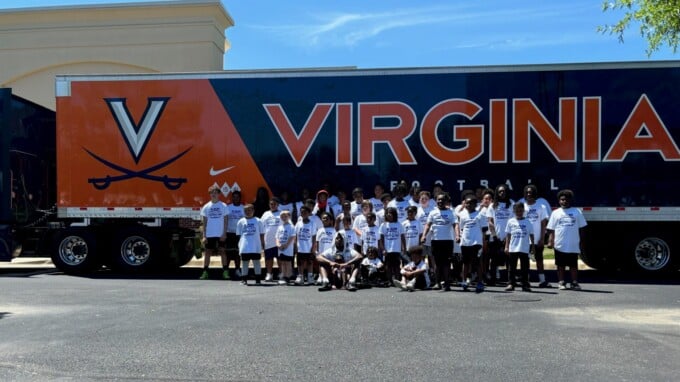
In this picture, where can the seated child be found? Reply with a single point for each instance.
(371, 269)
(414, 275)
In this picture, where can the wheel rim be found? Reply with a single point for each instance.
(652, 254)
(135, 251)
(73, 250)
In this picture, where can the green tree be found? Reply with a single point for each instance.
(659, 21)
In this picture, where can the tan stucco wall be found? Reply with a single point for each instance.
(171, 36)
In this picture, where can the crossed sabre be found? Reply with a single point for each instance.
(168, 182)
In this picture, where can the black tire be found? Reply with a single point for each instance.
(135, 250)
(651, 253)
(74, 251)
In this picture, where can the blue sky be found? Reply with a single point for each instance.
(401, 33)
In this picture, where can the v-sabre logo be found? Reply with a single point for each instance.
(136, 137)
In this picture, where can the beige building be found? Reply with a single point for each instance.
(169, 36)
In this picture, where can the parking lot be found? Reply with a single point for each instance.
(109, 326)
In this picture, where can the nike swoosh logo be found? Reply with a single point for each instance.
(214, 172)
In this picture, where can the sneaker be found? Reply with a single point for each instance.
(480, 287)
(544, 284)
(225, 275)
(436, 286)
(352, 287)
(464, 284)
(575, 286)
(204, 275)
(560, 285)
(268, 277)
(411, 286)
(282, 281)
(298, 280)
(398, 284)
(509, 288)
(325, 287)
(244, 282)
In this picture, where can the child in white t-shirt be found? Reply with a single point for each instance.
(519, 234)
(565, 229)
(392, 242)
(414, 275)
(285, 240)
(251, 241)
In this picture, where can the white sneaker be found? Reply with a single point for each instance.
(399, 284)
(411, 286)
(282, 282)
(268, 277)
(298, 280)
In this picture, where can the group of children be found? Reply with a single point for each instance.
(410, 241)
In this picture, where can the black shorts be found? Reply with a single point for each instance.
(232, 242)
(393, 257)
(302, 256)
(251, 256)
(271, 253)
(566, 259)
(442, 248)
(285, 259)
(470, 252)
(214, 243)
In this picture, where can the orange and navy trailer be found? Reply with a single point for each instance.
(137, 153)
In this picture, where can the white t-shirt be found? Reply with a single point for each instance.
(283, 233)
(441, 223)
(471, 225)
(324, 238)
(536, 213)
(235, 214)
(271, 222)
(401, 208)
(566, 223)
(350, 237)
(305, 235)
(421, 216)
(355, 209)
(249, 231)
(377, 204)
(287, 207)
(519, 231)
(412, 232)
(500, 215)
(369, 237)
(391, 233)
(359, 223)
(372, 264)
(215, 213)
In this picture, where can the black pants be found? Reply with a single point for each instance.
(442, 250)
(512, 267)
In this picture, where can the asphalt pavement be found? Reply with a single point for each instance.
(174, 327)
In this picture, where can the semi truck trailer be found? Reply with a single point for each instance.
(130, 158)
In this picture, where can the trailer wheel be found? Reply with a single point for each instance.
(653, 254)
(74, 252)
(134, 250)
